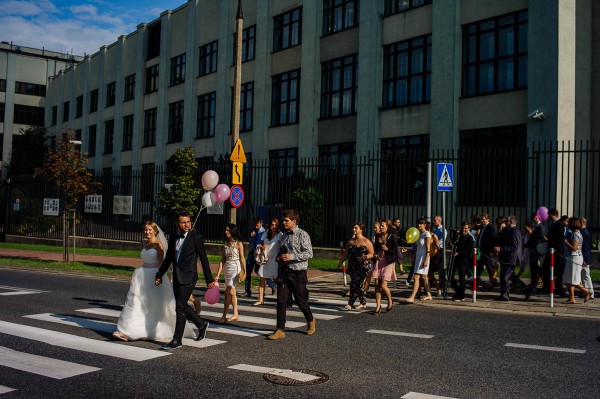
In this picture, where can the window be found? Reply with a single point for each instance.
(407, 72)
(403, 159)
(338, 87)
(396, 6)
(246, 106)
(147, 183)
(336, 164)
(2, 85)
(153, 41)
(129, 88)
(2, 108)
(152, 79)
(495, 55)
(110, 94)
(177, 70)
(54, 115)
(78, 107)
(339, 15)
(248, 43)
(490, 161)
(125, 186)
(285, 99)
(66, 107)
(28, 115)
(30, 89)
(109, 135)
(208, 58)
(150, 127)
(287, 29)
(94, 101)
(283, 165)
(92, 141)
(127, 132)
(176, 122)
(206, 115)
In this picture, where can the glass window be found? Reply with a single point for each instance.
(246, 106)
(66, 109)
(339, 85)
(127, 132)
(283, 164)
(152, 79)
(339, 15)
(176, 122)
(287, 29)
(177, 70)
(110, 94)
(285, 99)
(397, 6)
(248, 43)
(129, 88)
(208, 58)
(30, 89)
(206, 115)
(150, 127)
(94, 101)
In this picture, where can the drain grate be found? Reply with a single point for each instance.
(297, 377)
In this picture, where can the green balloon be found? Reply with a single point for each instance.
(412, 235)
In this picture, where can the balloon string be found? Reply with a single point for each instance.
(201, 208)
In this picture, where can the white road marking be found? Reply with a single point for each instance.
(545, 348)
(257, 320)
(18, 291)
(48, 367)
(418, 395)
(295, 375)
(402, 334)
(79, 343)
(340, 302)
(313, 305)
(101, 312)
(273, 311)
(107, 327)
(4, 389)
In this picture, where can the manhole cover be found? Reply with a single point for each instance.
(296, 377)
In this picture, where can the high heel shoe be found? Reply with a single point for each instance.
(377, 311)
(389, 308)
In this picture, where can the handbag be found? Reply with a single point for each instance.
(242, 275)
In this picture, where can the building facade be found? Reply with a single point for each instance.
(24, 74)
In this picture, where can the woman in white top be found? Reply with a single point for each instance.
(233, 262)
(421, 262)
(572, 274)
(149, 311)
(270, 243)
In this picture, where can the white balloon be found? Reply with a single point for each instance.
(208, 199)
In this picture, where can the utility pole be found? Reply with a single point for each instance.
(237, 88)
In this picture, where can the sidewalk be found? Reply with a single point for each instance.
(330, 284)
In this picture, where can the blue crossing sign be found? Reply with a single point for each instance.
(445, 177)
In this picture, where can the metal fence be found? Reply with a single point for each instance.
(331, 194)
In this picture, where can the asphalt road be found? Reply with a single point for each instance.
(412, 349)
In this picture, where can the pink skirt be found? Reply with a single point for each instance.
(384, 270)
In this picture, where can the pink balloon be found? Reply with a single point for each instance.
(222, 193)
(212, 295)
(210, 179)
(542, 213)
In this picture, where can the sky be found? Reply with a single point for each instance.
(75, 27)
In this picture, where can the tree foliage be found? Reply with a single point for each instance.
(28, 151)
(182, 194)
(65, 167)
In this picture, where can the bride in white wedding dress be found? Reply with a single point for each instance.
(149, 311)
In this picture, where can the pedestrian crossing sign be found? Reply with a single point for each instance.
(445, 177)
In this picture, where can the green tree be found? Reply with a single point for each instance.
(65, 167)
(28, 151)
(180, 192)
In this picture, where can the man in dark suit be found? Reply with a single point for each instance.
(556, 240)
(486, 240)
(537, 236)
(509, 248)
(185, 247)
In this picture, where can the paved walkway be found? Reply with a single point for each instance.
(331, 284)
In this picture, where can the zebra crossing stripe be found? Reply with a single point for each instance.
(401, 334)
(258, 320)
(101, 312)
(18, 291)
(273, 311)
(4, 389)
(295, 375)
(80, 343)
(104, 326)
(40, 365)
(419, 395)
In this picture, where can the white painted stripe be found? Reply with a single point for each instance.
(18, 291)
(401, 334)
(545, 348)
(314, 306)
(4, 389)
(107, 327)
(7, 287)
(79, 343)
(41, 365)
(257, 320)
(418, 395)
(340, 302)
(273, 311)
(294, 375)
(101, 312)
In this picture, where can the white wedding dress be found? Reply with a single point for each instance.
(149, 311)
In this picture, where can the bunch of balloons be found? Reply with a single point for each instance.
(215, 193)
(542, 213)
(412, 235)
(211, 295)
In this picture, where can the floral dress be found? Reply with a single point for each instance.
(358, 272)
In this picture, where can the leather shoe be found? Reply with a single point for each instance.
(202, 332)
(171, 345)
(312, 327)
(278, 334)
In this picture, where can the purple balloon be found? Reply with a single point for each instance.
(542, 213)
(212, 295)
(222, 193)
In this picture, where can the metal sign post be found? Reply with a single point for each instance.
(445, 178)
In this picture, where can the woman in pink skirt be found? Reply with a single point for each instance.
(388, 253)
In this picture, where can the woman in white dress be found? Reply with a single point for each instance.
(421, 262)
(270, 243)
(572, 274)
(233, 263)
(149, 311)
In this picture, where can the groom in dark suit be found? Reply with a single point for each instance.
(185, 247)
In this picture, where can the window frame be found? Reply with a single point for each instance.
(177, 71)
(393, 7)
(150, 115)
(176, 115)
(78, 107)
(208, 58)
(152, 73)
(29, 89)
(328, 81)
(283, 83)
(205, 123)
(287, 29)
(329, 15)
(93, 101)
(66, 111)
(111, 89)
(129, 92)
(127, 143)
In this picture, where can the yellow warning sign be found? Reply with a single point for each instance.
(238, 154)
(237, 173)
